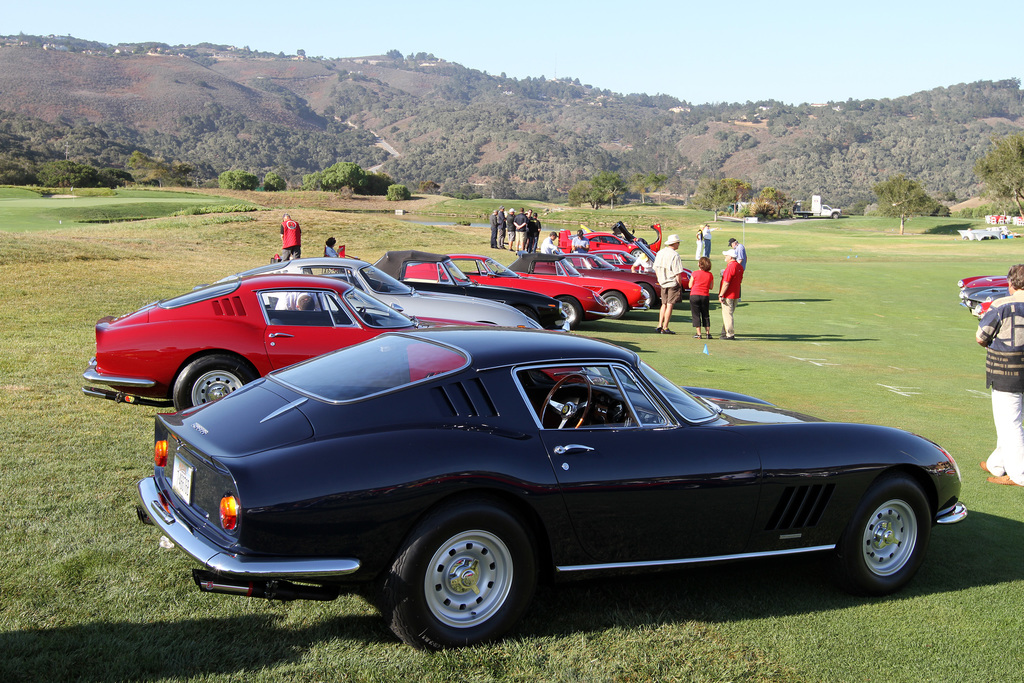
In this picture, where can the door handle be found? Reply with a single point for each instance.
(276, 335)
(572, 448)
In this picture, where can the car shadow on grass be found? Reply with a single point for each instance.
(769, 587)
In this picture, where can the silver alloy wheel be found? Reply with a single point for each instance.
(469, 579)
(213, 385)
(890, 537)
(568, 312)
(616, 305)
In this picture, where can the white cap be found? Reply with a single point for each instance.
(731, 253)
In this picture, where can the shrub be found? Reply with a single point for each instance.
(237, 180)
(397, 193)
(274, 183)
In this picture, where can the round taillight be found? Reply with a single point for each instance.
(229, 512)
(160, 453)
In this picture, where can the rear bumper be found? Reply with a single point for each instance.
(219, 560)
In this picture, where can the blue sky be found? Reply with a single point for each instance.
(795, 52)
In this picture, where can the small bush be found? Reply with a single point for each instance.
(237, 180)
(274, 183)
(397, 193)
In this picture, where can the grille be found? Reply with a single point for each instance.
(800, 507)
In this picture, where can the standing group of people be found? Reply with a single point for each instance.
(515, 231)
(668, 266)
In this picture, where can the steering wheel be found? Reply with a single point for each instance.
(568, 409)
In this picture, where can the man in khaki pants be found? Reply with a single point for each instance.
(729, 292)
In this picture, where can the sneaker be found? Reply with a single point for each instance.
(667, 331)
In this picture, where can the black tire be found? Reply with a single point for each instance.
(528, 312)
(885, 542)
(617, 304)
(575, 314)
(650, 292)
(472, 552)
(209, 378)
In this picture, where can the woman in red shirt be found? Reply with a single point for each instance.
(701, 282)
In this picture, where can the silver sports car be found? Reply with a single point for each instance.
(370, 279)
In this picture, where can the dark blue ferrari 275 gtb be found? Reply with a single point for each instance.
(446, 471)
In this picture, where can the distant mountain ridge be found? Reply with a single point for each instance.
(219, 108)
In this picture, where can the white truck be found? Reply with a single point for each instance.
(818, 210)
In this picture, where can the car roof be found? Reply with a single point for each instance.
(286, 280)
(526, 259)
(499, 347)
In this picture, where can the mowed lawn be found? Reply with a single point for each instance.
(840, 319)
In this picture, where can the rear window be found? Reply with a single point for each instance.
(379, 366)
(201, 294)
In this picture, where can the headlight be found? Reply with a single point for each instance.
(600, 299)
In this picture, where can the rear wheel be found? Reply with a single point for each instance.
(528, 312)
(885, 542)
(572, 309)
(617, 304)
(210, 378)
(465, 575)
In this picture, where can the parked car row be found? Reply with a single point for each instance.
(978, 292)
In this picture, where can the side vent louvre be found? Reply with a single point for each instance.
(467, 399)
(228, 306)
(800, 507)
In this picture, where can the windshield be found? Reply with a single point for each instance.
(569, 268)
(456, 274)
(381, 365)
(500, 270)
(688, 406)
(373, 312)
(382, 283)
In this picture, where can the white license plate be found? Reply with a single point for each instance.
(182, 480)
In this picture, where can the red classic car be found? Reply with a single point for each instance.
(620, 239)
(592, 265)
(579, 303)
(620, 295)
(203, 345)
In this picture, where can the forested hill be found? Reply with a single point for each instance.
(218, 108)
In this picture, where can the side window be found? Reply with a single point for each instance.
(572, 397)
(468, 266)
(647, 412)
(544, 268)
(296, 307)
(424, 272)
(338, 313)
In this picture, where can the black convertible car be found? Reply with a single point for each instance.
(437, 273)
(446, 471)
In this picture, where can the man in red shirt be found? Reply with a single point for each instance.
(729, 292)
(291, 238)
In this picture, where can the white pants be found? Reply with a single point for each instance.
(1008, 457)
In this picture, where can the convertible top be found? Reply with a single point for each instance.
(391, 262)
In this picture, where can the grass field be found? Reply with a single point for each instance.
(840, 319)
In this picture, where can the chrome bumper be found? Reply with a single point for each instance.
(215, 558)
(951, 515)
(91, 375)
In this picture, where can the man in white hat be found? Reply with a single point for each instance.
(729, 292)
(668, 267)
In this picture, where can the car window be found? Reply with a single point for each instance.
(297, 307)
(453, 271)
(470, 266)
(380, 282)
(373, 312)
(381, 365)
(587, 396)
(545, 268)
(689, 407)
(425, 272)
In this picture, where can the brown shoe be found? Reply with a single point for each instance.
(1004, 480)
(984, 465)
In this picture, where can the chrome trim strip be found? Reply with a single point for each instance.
(91, 375)
(690, 560)
(281, 411)
(951, 515)
(215, 558)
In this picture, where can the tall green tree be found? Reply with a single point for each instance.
(238, 180)
(898, 196)
(607, 187)
(643, 183)
(66, 173)
(1002, 169)
(343, 174)
(713, 194)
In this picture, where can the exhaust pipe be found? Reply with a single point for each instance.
(208, 582)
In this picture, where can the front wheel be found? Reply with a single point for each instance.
(465, 575)
(572, 309)
(210, 378)
(886, 539)
(617, 304)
